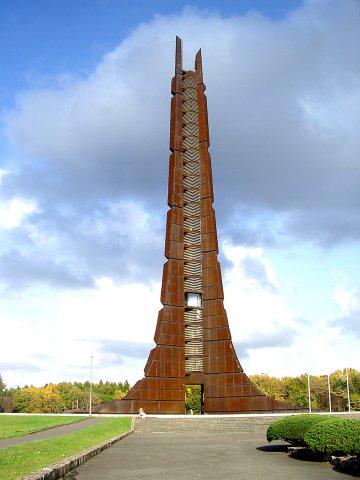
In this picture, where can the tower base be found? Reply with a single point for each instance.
(219, 397)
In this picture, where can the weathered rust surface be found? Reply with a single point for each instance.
(201, 335)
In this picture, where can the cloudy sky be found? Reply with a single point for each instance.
(83, 166)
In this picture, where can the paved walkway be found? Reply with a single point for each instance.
(50, 432)
(179, 455)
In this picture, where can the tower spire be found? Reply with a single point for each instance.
(192, 336)
(178, 56)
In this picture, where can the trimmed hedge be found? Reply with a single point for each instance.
(336, 436)
(293, 428)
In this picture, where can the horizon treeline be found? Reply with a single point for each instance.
(60, 397)
(64, 396)
(294, 390)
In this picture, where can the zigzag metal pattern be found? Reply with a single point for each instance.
(192, 209)
(190, 117)
(189, 82)
(192, 169)
(192, 196)
(192, 226)
(192, 223)
(190, 93)
(192, 268)
(191, 155)
(191, 143)
(192, 316)
(192, 284)
(192, 253)
(191, 130)
(192, 181)
(192, 238)
(190, 106)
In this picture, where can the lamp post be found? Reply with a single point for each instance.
(348, 389)
(90, 393)
(309, 394)
(329, 389)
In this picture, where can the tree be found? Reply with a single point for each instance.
(38, 400)
(193, 399)
(119, 394)
(2, 384)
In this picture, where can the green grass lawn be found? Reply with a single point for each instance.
(16, 426)
(24, 459)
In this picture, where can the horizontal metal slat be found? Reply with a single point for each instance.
(193, 348)
(192, 253)
(191, 181)
(192, 285)
(193, 315)
(192, 209)
(192, 332)
(193, 365)
(192, 268)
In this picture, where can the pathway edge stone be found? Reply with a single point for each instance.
(61, 468)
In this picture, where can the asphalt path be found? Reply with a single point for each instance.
(50, 432)
(175, 455)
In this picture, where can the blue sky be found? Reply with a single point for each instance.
(44, 38)
(84, 150)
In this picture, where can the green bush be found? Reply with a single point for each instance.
(336, 436)
(293, 428)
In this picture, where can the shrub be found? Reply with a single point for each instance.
(336, 436)
(293, 428)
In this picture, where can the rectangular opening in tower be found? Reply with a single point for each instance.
(194, 399)
(192, 299)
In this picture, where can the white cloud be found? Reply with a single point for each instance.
(254, 309)
(284, 125)
(116, 322)
(13, 212)
(63, 329)
(347, 300)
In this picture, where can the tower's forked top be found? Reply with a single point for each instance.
(179, 60)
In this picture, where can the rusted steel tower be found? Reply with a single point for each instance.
(193, 340)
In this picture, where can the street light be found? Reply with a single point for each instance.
(90, 393)
(348, 389)
(329, 388)
(309, 394)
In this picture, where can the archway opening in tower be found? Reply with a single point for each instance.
(194, 399)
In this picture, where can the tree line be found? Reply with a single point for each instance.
(294, 390)
(64, 396)
(58, 398)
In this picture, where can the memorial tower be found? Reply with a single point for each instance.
(193, 340)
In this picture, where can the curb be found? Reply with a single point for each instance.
(63, 467)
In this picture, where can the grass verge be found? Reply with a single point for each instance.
(23, 459)
(17, 426)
